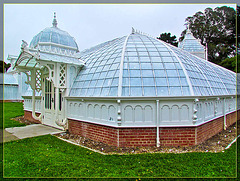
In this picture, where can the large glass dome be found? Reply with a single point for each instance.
(138, 65)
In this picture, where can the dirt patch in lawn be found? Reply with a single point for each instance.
(217, 143)
(21, 119)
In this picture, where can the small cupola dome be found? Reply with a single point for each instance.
(53, 39)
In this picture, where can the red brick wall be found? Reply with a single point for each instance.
(133, 137)
(177, 136)
(231, 118)
(28, 116)
(96, 132)
(208, 130)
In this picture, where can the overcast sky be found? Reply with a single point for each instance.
(91, 24)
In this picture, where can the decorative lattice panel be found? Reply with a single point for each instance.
(38, 80)
(62, 75)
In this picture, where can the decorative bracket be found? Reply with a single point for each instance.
(195, 110)
(119, 118)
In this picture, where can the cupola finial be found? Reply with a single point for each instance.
(188, 28)
(54, 23)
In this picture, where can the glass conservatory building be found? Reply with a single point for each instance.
(131, 91)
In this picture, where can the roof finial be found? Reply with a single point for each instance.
(54, 23)
(188, 28)
(133, 31)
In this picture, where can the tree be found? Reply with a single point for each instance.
(230, 63)
(168, 38)
(4, 67)
(217, 29)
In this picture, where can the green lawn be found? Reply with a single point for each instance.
(12, 110)
(47, 156)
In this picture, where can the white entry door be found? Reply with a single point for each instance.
(50, 109)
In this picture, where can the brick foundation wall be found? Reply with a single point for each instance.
(133, 137)
(177, 136)
(208, 130)
(96, 132)
(28, 116)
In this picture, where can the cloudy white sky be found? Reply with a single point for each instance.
(91, 24)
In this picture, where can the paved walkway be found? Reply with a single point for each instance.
(28, 131)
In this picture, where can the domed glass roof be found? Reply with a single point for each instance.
(54, 35)
(138, 65)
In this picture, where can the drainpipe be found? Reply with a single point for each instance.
(158, 140)
(33, 108)
(224, 114)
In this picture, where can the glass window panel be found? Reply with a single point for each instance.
(96, 76)
(144, 59)
(103, 75)
(181, 73)
(86, 83)
(173, 81)
(105, 91)
(89, 92)
(97, 91)
(147, 73)
(169, 65)
(125, 81)
(175, 91)
(93, 83)
(125, 73)
(161, 81)
(165, 53)
(106, 68)
(125, 65)
(110, 74)
(133, 59)
(113, 91)
(115, 82)
(135, 82)
(141, 49)
(162, 91)
(157, 65)
(153, 54)
(146, 66)
(178, 66)
(107, 82)
(160, 73)
(114, 66)
(99, 83)
(186, 91)
(125, 91)
(184, 81)
(156, 59)
(149, 91)
(136, 91)
(172, 73)
(135, 73)
(83, 92)
(143, 54)
(132, 53)
(167, 59)
(134, 66)
(148, 81)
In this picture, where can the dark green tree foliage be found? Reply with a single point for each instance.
(230, 63)
(217, 28)
(168, 38)
(4, 67)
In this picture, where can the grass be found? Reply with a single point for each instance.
(12, 110)
(47, 156)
